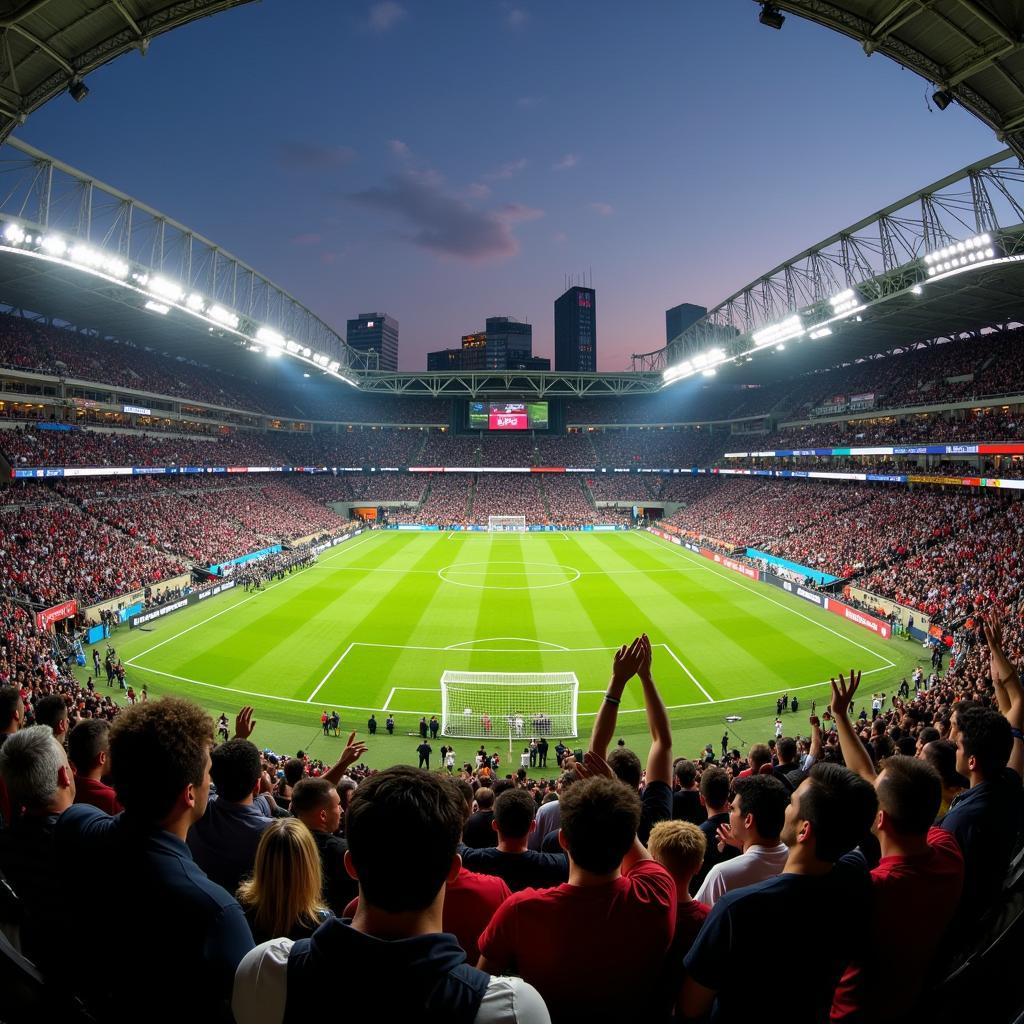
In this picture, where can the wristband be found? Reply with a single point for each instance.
(615, 700)
(1015, 733)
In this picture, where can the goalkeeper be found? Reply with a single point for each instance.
(657, 793)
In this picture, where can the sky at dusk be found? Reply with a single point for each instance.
(448, 160)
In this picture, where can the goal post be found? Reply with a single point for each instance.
(509, 705)
(506, 524)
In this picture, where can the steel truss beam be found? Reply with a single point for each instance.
(879, 255)
(538, 384)
(52, 197)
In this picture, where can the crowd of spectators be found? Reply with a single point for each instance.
(446, 502)
(267, 877)
(503, 494)
(52, 553)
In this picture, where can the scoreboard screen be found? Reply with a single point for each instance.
(508, 415)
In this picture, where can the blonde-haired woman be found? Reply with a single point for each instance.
(283, 897)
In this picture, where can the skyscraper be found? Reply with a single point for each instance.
(576, 330)
(678, 318)
(375, 333)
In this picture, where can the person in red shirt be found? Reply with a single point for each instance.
(89, 754)
(919, 878)
(760, 758)
(619, 904)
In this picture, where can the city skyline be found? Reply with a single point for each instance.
(675, 155)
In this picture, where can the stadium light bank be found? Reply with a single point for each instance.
(161, 294)
(955, 258)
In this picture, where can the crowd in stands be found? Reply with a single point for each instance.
(446, 502)
(25, 345)
(500, 494)
(49, 554)
(618, 889)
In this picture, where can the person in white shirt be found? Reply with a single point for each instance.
(396, 933)
(756, 817)
(524, 758)
(778, 728)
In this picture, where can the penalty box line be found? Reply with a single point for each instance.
(491, 650)
(728, 576)
(343, 549)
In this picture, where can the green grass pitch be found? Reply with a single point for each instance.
(377, 621)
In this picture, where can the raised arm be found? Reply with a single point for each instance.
(659, 760)
(353, 751)
(624, 666)
(1007, 685)
(856, 757)
(814, 753)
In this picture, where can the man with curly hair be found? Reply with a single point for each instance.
(189, 933)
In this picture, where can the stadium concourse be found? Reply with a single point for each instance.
(886, 829)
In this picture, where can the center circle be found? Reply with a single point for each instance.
(485, 570)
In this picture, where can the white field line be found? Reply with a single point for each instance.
(434, 689)
(511, 572)
(330, 672)
(388, 701)
(732, 700)
(272, 696)
(693, 678)
(729, 576)
(520, 639)
(342, 549)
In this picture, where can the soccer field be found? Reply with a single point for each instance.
(375, 624)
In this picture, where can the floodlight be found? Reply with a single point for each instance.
(78, 90)
(54, 245)
(791, 327)
(293, 347)
(158, 307)
(334, 367)
(14, 234)
(917, 289)
(270, 337)
(710, 372)
(942, 99)
(771, 17)
(307, 352)
(821, 332)
(115, 267)
(222, 316)
(168, 289)
(195, 302)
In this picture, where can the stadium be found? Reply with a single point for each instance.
(221, 517)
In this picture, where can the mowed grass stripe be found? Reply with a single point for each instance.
(298, 635)
(634, 603)
(423, 613)
(734, 636)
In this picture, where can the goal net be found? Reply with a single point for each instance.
(509, 705)
(506, 524)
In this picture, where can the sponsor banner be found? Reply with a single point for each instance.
(184, 602)
(959, 449)
(48, 616)
(47, 425)
(729, 563)
(877, 626)
(888, 478)
(1001, 449)
(126, 613)
(138, 410)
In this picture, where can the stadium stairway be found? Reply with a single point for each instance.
(470, 494)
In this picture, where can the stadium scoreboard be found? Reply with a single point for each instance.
(508, 415)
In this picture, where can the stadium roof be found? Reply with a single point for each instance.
(50, 45)
(972, 51)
